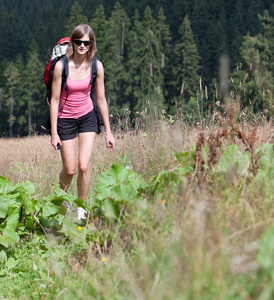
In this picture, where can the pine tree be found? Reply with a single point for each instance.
(253, 80)
(208, 21)
(164, 36)
(187, 60)
(133, 63)
(234, 29)
(32, 91)
(151, 77)
(116, 76)
(76, 18)
(268, 37)
(99, 26)
(12, 75)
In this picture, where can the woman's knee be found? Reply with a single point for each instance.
(83, 168)
(69, 171)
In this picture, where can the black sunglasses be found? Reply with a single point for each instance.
(80, 42)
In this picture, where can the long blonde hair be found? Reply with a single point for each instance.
(77, 33)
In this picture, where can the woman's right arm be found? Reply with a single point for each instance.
(54, 106)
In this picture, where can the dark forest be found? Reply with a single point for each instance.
(175, 55)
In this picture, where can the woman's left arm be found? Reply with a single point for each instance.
(102, 105)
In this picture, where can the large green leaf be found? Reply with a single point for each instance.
(4, 205)
(115, 175)
(119, 184)
(136, 181)
(186, 158)
(11, 263)
(103, 193)
(9, 240)
(266, 252)
(3, 256)
(26, 199)
(267, 155)
(5, 185)
(28, 186)
(50, 209)
(72, 231)
(12, 220)
(233, 158)
(164, 178)
(80, 203)
(123, 193)
(266, 165)
(111, 209)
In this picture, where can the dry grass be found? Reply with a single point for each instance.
(193, 243)
(32, 158)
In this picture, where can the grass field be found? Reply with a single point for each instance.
(177, 212)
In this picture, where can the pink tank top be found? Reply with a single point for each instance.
(78, 102)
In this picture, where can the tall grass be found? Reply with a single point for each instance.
(199, 242)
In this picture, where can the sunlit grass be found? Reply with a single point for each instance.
(198, 243)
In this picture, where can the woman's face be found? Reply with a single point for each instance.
(82, 45)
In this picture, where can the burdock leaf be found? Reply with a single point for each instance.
(116, 175)
(28, 186)
(266, 252)
(111, 209)
(9, 240)
(50, 209)
(5, 185)
(72, 231)
(233, 158)
(12, 219)
(11, 263)
(4, 205)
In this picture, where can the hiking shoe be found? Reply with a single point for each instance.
(81, 213)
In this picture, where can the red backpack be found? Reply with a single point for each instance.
(59, 51)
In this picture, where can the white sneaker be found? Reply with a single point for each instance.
(81, 213)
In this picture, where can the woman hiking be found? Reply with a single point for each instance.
(73, 114)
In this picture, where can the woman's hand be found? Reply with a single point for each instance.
(110, 141)
(56, 142)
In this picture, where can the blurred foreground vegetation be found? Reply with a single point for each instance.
(176, 212)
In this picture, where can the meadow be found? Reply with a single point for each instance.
(179, 210)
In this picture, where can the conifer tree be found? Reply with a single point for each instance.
(20, 108)
(253, 80)
(187, 61)
(116, 76)
(32, 91)
(134, 66)
(234, 29)
(99, 26)
(268, 37)
(208, 21)
(164, 36)
(151, 77)
(13, 77)
(76, 17)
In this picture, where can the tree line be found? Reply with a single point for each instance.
(148, 64)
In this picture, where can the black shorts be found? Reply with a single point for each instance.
(68, 129)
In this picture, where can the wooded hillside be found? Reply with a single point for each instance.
(174, 55)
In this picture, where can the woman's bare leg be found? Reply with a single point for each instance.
(86, 142)
(69, 163)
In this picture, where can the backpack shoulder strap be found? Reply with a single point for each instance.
(65, 71)
(93, 72)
